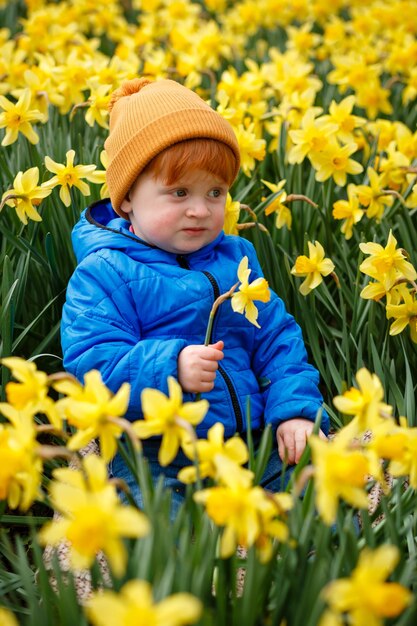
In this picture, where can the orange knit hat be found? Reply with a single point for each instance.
(148, 116)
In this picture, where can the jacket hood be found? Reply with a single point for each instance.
(100, 227)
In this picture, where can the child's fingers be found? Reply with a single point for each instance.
(213, 354)
(300, 444)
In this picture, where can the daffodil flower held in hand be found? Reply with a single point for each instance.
(313, 267)
(242, 300)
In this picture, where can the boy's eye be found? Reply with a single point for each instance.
(180, 193)
(215, 193)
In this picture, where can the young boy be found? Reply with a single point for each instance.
(151, 261)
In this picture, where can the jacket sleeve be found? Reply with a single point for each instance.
(280, 361)
(100, 329)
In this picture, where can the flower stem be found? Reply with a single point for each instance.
(216, 304)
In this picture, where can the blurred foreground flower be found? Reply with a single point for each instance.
(18, 118)
(398, 445)
(134, 605)
(169, 417)
(340, 472)
(365, 596)
(21, 466)
(25, 195)
(242, 300)
(93, 517)
(30, 393)
(69, 175)
(365, 404)
(7, 618)
(94, 411)
(206, 452)
(314, 267)
(248, 514)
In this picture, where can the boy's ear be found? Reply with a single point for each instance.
(126, 205)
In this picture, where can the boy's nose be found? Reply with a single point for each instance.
(197, 208)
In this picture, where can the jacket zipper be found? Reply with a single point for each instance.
(183, 262)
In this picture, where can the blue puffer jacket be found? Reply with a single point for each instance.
(131, 308)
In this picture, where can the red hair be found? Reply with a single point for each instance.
(209, 155)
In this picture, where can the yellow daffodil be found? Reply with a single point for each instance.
(251, 147)
(386, 263)
(365, 596)
(206, 451)
(98, 100)
(301, 38)
(410, 86)
(134, 604)
(375, 290)
(334, 161)
(25, 195)
(393, 167)
(99, 176)
(349, 211)
(169, 417)
(39, 83)
(284, 217)
(68, 176)
(293, 108)
(396, 444)
(411, 201)
(365, 403)
(7, 618)
(314, 267)
(242, 300)
(242, 509)
(404, 314)
(340, 113)
(352, 70)
(373, 196)
(313, 137)
(400, 447)
(374, 98)
(92, 517)
(31, 391)
(231, 216)
(21, 466)
(18, 118)
(94, 411)
(340, 473)
(273, 515)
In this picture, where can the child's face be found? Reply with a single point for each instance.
(179, 218)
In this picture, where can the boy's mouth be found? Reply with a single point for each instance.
(193, 231)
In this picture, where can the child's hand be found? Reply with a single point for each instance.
(292, 438)
(197, 366)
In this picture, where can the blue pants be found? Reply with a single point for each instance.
(273, 479)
